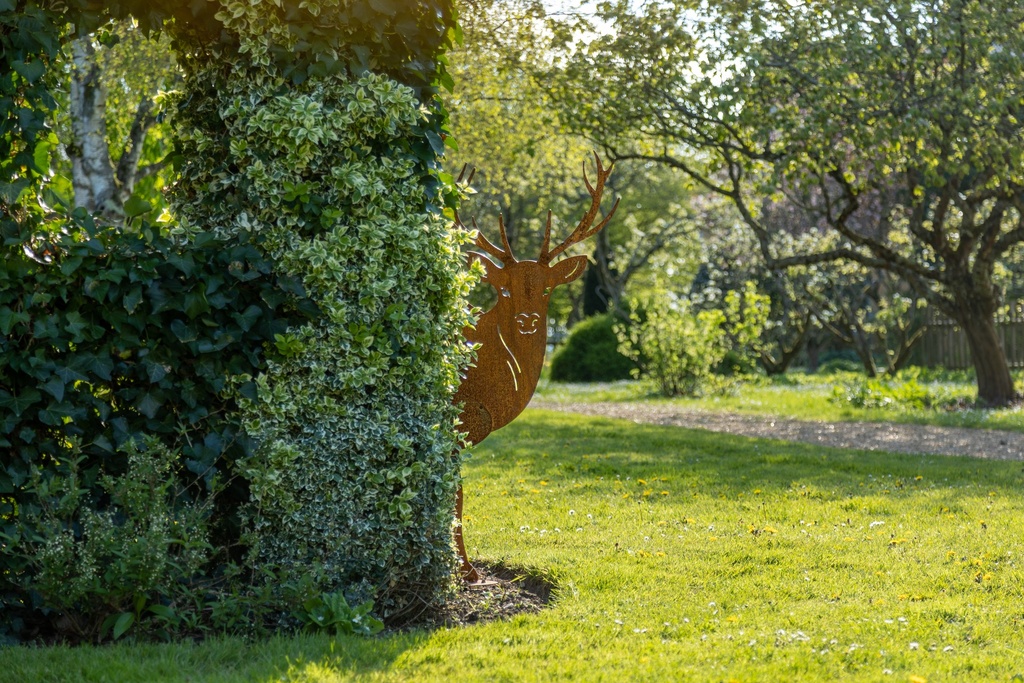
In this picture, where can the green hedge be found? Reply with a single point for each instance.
(591, 354)
(279, 362)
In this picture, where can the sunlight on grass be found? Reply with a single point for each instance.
(806, 398)
(683, 555)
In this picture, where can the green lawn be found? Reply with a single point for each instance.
(808, 398)
(683, 555)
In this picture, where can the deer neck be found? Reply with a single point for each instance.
(508, 363)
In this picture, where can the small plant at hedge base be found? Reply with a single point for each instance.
(331, 612)
(99, 568)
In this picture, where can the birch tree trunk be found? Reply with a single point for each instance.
(92, 171)
(101, 185)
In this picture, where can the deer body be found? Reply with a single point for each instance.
(512, 335)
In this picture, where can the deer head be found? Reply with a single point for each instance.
(513, 334)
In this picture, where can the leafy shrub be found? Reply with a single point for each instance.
(113, 337)
(895, 394)
(680, 348)
(591, 353)
(336, 177)
(101, 566)
(939, 374)
(674, 346)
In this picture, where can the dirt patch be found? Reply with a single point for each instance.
(502, 593)
(871, 436)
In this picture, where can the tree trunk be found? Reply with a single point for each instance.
(778, 366)
(603, 286)
(595, 298)
(995, 385)
(813, 351)
(91, 169)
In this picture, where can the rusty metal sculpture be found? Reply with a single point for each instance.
(512, 335)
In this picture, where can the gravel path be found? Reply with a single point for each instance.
(872, 436)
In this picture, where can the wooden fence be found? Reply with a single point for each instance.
(944, 342)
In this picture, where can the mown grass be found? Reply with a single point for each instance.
(683, 556)
(804, 397)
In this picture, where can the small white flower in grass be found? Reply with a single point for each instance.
(572, 512)
(579, 528)
(619, 622)
(914, 646)
(876, 523)
(948, 648)
(887, 672)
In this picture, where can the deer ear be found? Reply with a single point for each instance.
(567, 270)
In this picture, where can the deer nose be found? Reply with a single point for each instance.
(529, 323)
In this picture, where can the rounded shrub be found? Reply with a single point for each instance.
(591, 354)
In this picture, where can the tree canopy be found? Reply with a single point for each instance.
(895, 125)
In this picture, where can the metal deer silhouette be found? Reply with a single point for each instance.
(512, 335)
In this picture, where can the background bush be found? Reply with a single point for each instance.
(840, 365)
(591, 353)
(674, 346)
(680, 348)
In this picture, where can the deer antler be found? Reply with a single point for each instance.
(585, 228)
(504, 255)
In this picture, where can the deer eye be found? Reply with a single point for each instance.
(547, 291)
(505, 293)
